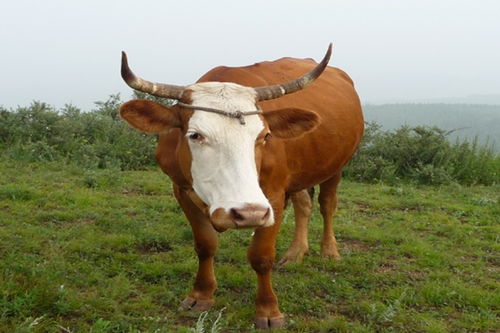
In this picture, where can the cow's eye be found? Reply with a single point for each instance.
(195, 136)
(262, 140)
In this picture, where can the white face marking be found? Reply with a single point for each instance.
(223, 162)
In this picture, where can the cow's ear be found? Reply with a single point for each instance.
(291, 123)
(149, 116)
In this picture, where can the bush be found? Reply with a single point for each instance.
(422, 155)
(100, 139)
(97, 139)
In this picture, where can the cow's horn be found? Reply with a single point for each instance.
(156, 89)
(271, 92)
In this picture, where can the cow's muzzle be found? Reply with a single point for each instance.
(248, 216)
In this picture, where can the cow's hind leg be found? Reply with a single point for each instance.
(302, 207)
(328, 203)
(201, 297)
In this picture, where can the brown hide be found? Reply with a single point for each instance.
(315, 156)
(292, 164)
(285, 166)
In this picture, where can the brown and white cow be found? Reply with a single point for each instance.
(235, 153)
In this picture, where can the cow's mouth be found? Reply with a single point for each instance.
(248, 217)
(219, 228)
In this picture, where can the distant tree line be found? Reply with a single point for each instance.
(465, 121)
(100, 139)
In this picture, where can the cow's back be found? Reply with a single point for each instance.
(316, 156)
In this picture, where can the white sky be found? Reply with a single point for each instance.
(62, 51)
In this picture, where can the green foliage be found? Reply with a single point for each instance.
(97, 139)
(422, 155)
(142, 95)
(100, 139)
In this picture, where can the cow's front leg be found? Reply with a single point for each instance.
(201, 297)
(261, 255)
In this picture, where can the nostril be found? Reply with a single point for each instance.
(235, 215)
(266, 216)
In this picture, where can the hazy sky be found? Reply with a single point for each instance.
(62, 51)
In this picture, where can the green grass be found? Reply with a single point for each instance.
(110, 251)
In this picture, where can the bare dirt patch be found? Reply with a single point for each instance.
(354, 245)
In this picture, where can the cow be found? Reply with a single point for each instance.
(237, 144)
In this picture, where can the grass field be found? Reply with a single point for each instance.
(110, 251)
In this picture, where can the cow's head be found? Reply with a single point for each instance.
(219, 152)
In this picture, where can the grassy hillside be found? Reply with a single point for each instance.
(469, 120)
(110, 251)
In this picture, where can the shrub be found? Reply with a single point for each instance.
(97, 139)
(100, 139)
(422, 155)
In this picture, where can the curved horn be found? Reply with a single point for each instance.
(156, 89)
(278, 90)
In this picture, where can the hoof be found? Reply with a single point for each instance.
(331, 255)
(266, 323)
(293, 255)
(195, 305)
(330, 251)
